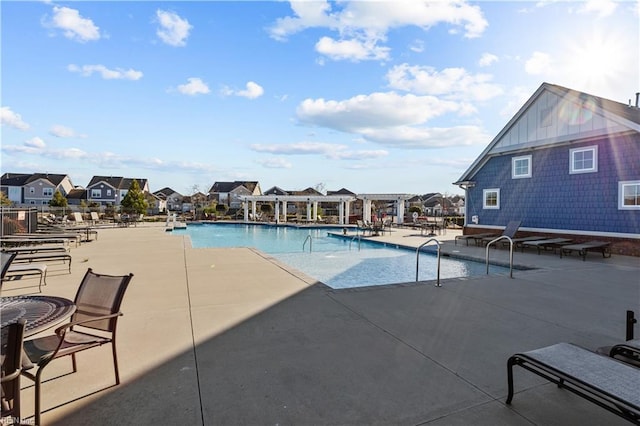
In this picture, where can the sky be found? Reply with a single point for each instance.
(371, 96)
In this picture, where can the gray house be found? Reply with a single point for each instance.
(34, 189)
(110, 190)
(567, 164)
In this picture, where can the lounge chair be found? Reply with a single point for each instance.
(364, 227)
(509, 231)
(35, 249)
(22, 269)
(473, 237)
(546, 244)
(582, 248)
(604, 381)
(6, 259)
(43, 257)
(628, 352)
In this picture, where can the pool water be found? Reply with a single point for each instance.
(335, 261)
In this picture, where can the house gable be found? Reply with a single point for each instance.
(555, 115)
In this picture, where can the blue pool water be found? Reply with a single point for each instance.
(334, 261)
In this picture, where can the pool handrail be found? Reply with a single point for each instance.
(510, 253)
(310, 239)
(418, 259)
(359, 241)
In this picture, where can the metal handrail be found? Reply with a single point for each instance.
(359, 241)
(310, 239)
(502, 237)
(418, 258)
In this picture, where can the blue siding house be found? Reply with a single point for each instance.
(567, 164)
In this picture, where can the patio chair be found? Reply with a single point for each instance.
(628, 352)
(97, 303)
(12, 341)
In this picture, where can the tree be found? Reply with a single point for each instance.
(134, 201)
(4, 200)
(58, 200)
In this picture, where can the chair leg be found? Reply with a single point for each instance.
(37, 396)
(115, 361)
(73, 362)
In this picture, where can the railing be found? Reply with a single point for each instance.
(502, 237)
(310, 239)
(359, 241)
(418, 259)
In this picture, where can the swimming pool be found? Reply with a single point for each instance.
(334, 261)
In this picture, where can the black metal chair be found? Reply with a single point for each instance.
(12, 341)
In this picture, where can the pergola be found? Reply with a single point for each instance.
(398, 199)
(343, 201)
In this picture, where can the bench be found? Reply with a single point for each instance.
(604, 381)
(20, 270)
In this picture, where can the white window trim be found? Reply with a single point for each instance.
(484, 198)
(594, 149)
(513, 167)
(96, 194)
(621, 186)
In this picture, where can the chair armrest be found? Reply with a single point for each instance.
(60, 331)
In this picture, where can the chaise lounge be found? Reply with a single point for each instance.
(604, 381)
(546, 244)
(582, 248)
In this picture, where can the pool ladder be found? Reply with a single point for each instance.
(418, 259)
(359, 241)
(310, 239)
(502, 237)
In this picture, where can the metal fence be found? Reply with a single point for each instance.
(18, 220)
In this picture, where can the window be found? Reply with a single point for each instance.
(583, 160)
(32, 190)
(108, 193)
(96, 193)
(629, 195)
(47, 192)
(521, 167)
(491, 198)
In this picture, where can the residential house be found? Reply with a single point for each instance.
(229, 193)
(155, 203)
(110, 190)
(34, 189)
(173, 199)
(331, 208)
(568, 163)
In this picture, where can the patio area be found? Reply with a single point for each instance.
(231, 337)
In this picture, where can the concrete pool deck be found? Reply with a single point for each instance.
(228, 337)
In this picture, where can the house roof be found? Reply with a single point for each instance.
(21, 179)
(14, 179)
(165, 192)
(341, 191)
(77, 194)
(556, 115)
(223, 187)
(117, 182)
(276, 191)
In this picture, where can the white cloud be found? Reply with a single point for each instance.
(330, 151)
(451, 83)
(423, 137)
(106, 73)
(252, 91)
(11, 119)
(35, 142)
(195, 86)
(275, 163)
(538, 63)
(353, 50)
(64, 132)
(173, 29)
(602, 8)
(377, 110)
(361, 25)
(74, 26)
(487, 59)
(417, 46)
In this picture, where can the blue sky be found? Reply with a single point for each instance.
(376, 97)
